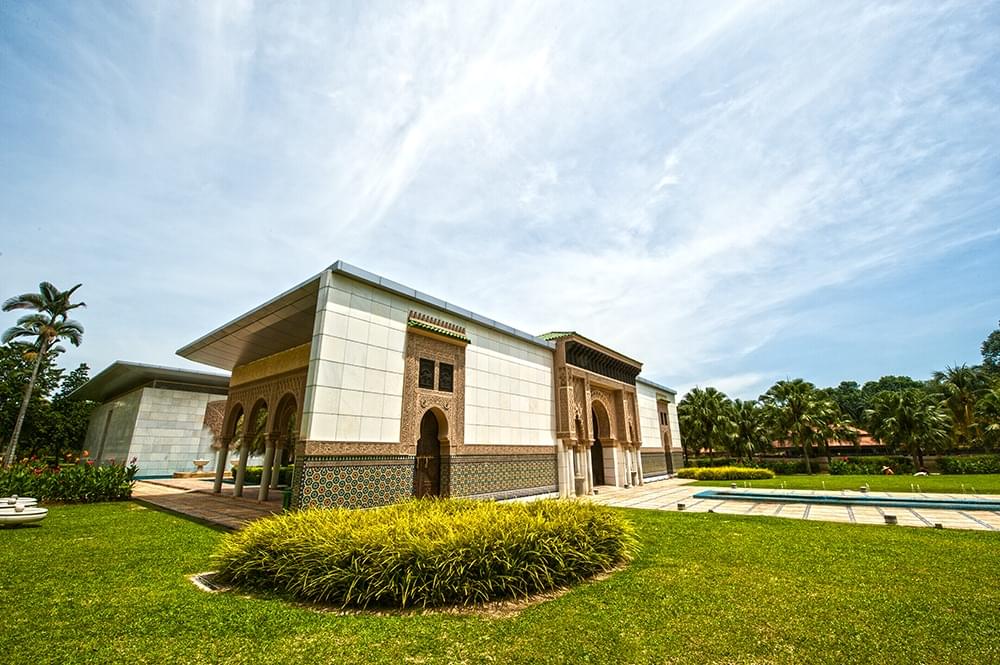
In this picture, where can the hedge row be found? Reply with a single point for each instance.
(74, 481)
(869, 466)
(426, 552)
(970, 464)
(780, 467)
(254, 473)
(725, 473)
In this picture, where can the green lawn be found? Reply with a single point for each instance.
(106, 584)
(982, 483)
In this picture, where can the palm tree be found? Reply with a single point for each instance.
(46, 326)
(796, 410)
(988, 417)
(704, 419)
(749, 428)
(960, 387)
(908, 420)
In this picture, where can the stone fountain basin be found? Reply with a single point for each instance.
(26, 515)
(11, 501)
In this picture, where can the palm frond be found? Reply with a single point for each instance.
(24, 301)
(16, 332)
(49, 291)
(35, 319)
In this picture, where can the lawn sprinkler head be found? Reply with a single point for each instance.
(938, 525)
(891, 520)
(681, 506)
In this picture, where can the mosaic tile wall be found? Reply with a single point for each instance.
(378, 480)
(498, 476)
(354, 481)
(654, 464)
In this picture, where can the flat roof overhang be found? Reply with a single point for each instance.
(287, 320)
(121, 377)
(283, 322)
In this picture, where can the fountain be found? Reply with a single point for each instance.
(20, 510)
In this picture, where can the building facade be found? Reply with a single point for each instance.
(376, 393)
(163, 417)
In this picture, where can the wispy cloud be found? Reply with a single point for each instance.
(684, 181)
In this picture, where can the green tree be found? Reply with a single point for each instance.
(750, 432)
(988, 417)
(908, 420)
(991, 352)
(796, 411)
(959, 388)
(850, 400)
(43, 329)
(704, 418)
(887, 383)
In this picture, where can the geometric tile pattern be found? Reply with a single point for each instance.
(479, 475)
(355, 482)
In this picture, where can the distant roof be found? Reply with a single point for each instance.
(287, 320)
(653, 384)
(121, 377)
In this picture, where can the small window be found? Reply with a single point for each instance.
(445, 377)
(426, 379)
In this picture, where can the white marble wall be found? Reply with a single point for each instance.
(162, 428)
(170, 433)
(116, 433)
(355, 385)
(649, 419)
(509, 394)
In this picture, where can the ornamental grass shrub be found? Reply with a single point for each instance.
(725, 473)
(75, 480)
(426, 552)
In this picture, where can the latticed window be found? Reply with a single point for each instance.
(445, 377)
(426, 377)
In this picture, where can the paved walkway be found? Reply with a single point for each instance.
(666, 494)
(193, 498)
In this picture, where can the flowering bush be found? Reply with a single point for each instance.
(74, 480)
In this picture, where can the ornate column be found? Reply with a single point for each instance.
(265, 473)
(579, 472)
(276, 471)
(562, 480)
(241, 467)
(588, 476)
(220, 464)
(627, 463)
(638, 457)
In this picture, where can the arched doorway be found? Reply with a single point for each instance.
(286, 428)
(427, 475)
(597, 450)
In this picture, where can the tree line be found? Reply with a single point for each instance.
(956, 410)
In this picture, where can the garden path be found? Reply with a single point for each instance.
(193, 498)
(666, 494)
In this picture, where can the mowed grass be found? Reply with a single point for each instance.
(107, 583)
(987, 483)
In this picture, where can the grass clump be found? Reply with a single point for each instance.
(426, 552)
(725, 473)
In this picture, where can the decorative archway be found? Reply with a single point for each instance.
(427, 473)
(602, 433)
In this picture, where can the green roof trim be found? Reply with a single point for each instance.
(438, 330)
(549, 336)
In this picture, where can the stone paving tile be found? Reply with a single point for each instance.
(664, 495)
(219, 510)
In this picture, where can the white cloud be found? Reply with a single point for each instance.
(674, 180)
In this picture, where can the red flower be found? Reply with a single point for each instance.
(90, 462)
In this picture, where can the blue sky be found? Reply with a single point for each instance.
(732, 193)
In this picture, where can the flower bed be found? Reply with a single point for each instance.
(426, 552)
(75, 480)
